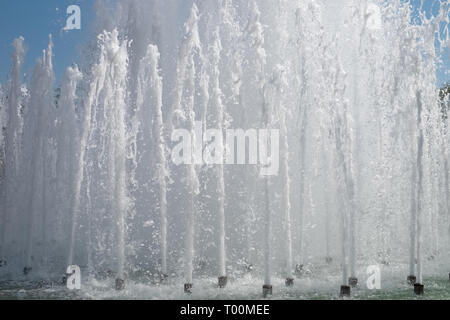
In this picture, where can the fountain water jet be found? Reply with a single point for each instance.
(12, 142)
(36, 141)
(120, 211)
(218, 109)
(186, 73)
(151, 85)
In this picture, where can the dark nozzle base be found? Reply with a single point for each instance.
(120, 284)
(3, 263)
(289, 282)
(328, 260)
(188, 288)
(411, 280)
(267, 290)
(27, 270)
(353, 282)
(345, 291)
(223, 282)
(419, 289)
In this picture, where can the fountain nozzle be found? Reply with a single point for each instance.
(223, 282)
(188, 288)
(120, 284)
(419, 289)
(267, 290)
(27, 270)
(345, 291)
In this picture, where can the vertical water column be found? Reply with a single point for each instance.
(255, 34)
(340, 128)
(96, 85)
(68, 142)
(417, 195)
(446, 139)
(151, 84)
(186, 71)
(37, 133)
(108, 89)
(353, 199)
(326, 177)
(281, 109)
(191, 172)
(302, 120)
(115, 92)
(12, 142)
(337, 18)
(420, 195)
(3, 125)
(413, 226)
(189, 45)
(218, 109)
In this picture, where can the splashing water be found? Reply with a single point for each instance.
(87, 177)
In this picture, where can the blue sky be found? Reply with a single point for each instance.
(36, 19)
